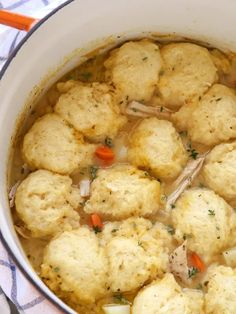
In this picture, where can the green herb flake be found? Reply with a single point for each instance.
(145, 58)
(218, 99)
(211, 212)
(161, 109)
(86, 76)
(187, 236)
(114, 230)
(120, 299)
(134, 109)
(56, 269)
(199, 286)
(93, 172)
(172, 206)
(192, 272)
(234, 209)
(108, 142)
(140, 244)
(192, 152)
(183, 133)
(170, 230)
(97, 229)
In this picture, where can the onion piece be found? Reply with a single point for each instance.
(178, 262)
(139, 110)
(22, 232)
(12, 193)
(191, 170)
(85, 187)
(116, 309)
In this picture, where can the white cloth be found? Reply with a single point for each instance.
(13, 284)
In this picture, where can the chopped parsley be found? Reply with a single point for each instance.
(134, 109)
(183, 133)
(120, 299)
(161, 109)
(187, 236)
(114, 230)
(86, 75)
(108, 142)
(163, 197)
(218, 99)
(97, 229)
(192, 152)
(56, 269)
(199, 286)
(172, 206)
(140, 243)
(145, 58)
(201, 185)
(93, 172)
(170, 229)
(211, 212)
(192, 272)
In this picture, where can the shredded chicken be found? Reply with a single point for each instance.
(185, 179)
(139, 110)
(178, 262)
(12, 194)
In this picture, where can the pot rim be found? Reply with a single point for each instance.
(2, 72)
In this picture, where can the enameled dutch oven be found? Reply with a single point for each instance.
(59, 41)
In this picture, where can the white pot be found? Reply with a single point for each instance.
(85, 24)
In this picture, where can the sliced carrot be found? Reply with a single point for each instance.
(196, 261)
(96, 222)
(105, 153)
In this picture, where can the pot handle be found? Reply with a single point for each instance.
(16, 20)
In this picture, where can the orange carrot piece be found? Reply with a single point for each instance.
(196, 261)
(105, 153)
(96, 222)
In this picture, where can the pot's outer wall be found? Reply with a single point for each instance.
(76, 25)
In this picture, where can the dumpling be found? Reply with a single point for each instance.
(189, 71)
(47, 203)
(205, 219)
(221, 290)
(75, 266)
(134, 70)
(52, 144)
(214, 118)
(91, 109)
(165, 296)
(136, 252)
(155, 145)
(219, 171)
(123, 191)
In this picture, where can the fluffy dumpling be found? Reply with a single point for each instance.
(156, 146)
(52, 144)
(137, 252)
(46, 203)
(134, 70)
(165, 296)
(188, 73)
(75, 266)
(123, 191)
(221, 290)
(219, 170)
(91, 109)
(205, 219)
(214, 118)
